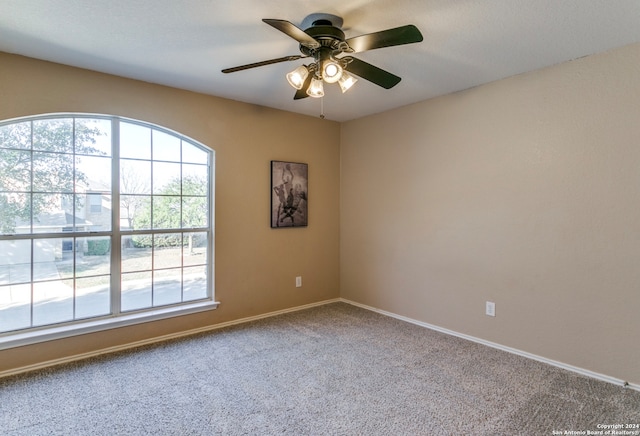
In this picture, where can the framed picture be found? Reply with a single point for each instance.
(289, 194)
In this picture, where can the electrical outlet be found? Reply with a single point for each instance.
(299, 282)
(490, 308)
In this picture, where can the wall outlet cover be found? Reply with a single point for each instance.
(490, 308)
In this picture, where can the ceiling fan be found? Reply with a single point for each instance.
(324, 41)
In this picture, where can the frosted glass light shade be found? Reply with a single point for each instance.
(297, 77)
(346, 81)
(315, 89)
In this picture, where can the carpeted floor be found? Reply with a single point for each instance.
(331, 370)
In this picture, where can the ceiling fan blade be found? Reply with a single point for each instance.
(372, 73)
(302, 92)
(260, 64)
(293, 31)
(386, 38)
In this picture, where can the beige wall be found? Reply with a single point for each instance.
(255, 265)
(525, 192)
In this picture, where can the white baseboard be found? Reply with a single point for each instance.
(81, 356)
(76, 357)
(562, 365)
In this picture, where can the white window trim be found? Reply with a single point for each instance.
(51, 333)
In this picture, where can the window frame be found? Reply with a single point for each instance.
(117, 317)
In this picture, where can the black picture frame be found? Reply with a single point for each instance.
(289, 194)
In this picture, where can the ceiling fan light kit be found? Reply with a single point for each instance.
(324, 41)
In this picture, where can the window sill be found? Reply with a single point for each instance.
(98, 325)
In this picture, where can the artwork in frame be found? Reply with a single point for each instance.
(289, 194)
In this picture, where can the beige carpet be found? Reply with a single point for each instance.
(331, 370)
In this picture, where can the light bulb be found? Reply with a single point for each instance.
(331, 72)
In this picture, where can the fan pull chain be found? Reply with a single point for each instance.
(322, 108)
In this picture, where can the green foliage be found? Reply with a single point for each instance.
(98, 247)
(12, 207)
(192, 240)
(142, 241)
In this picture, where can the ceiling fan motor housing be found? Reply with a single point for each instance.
(326, 34)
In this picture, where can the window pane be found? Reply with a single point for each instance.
(49, 215)
(70, 204)
(135, 176)
(45, 253)
(136, 291)
(52, 302)
(15, 307)
(167, 286)
(93, 256)
(135, 141)
(15, 262)
(195, 179)
(165, 147)
(93, 136)
(92, 296)
(194, 283)
(91, 212)
(96, 214)
(53, 135)
(15, 170)
(94, 202)
(16, 135)
(53, 258)
(195, 249)
(193, 154)
(15, 213)
(166, 178)
(166, 212)
(136, 253)
(93, 185)
(135, 212)
(194, 212)
(52, 172)
(167, 250)
(93, 174)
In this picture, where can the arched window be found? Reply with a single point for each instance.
(103, 221)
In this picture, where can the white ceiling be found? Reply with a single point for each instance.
(186, 43)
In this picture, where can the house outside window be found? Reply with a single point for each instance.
(95, 203)
(101, 217)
